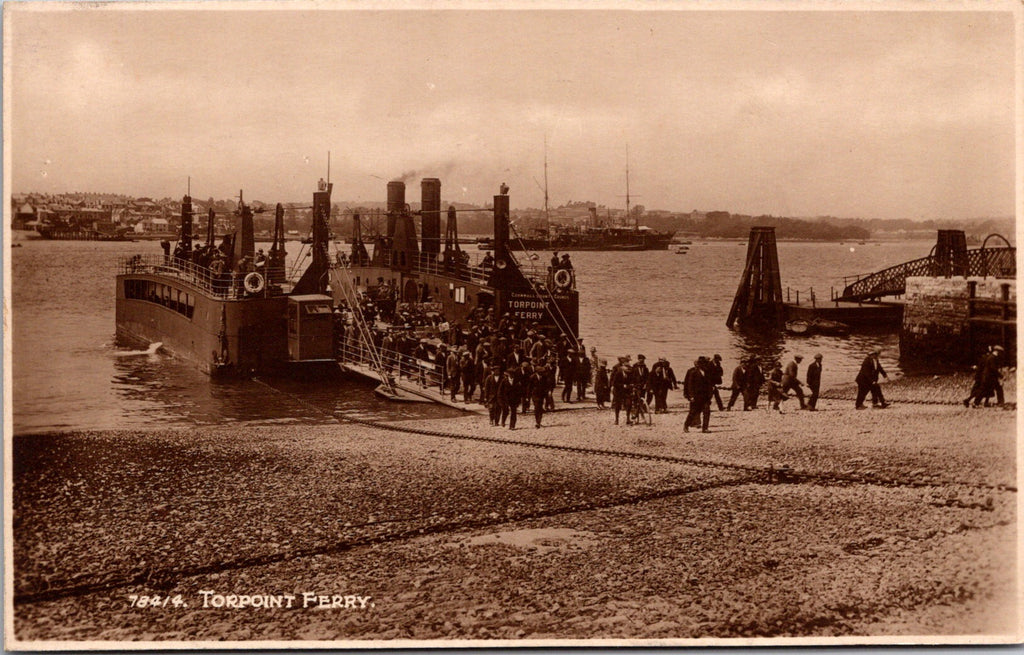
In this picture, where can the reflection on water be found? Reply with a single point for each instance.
(69, 375)
(183, 396)
(766, 345)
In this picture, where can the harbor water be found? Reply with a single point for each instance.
(68, 373)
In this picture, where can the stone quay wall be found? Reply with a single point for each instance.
(935, 319)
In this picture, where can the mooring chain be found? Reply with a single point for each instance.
(907, 401)
(770, 473)
(165, 579)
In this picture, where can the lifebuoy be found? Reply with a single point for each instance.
(563, 278)
(253, 282)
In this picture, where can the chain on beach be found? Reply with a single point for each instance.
(768, 473)
(433, 524)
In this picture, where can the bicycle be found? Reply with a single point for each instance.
(639, 410)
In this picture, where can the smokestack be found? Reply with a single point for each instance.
(430, 210)
(396, 204)
(501, 227)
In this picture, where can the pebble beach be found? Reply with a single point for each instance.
(897, 523)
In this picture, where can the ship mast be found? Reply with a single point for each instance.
(627, 186)
(547, 218)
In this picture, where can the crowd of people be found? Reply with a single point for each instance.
(512, 366)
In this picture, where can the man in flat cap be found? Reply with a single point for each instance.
(867, 380)
(620, 382)
(814, 382)
(697, 389)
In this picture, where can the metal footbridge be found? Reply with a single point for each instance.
(949, 257)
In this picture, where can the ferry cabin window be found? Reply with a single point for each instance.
(318, 309)
(160, 294)
(460, 295)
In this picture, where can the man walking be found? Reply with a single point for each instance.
(538, 391)
(739, 375)
(583, 373)
(567, 369)
(620, 388)
(814, 382)
(663, 378)
(752, 382)
(790, 381)
(490, 396)
(508, 399)
(716, 373)
(697, 389)
(867, 380)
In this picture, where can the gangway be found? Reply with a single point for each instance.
(1000, 262)
(364, 339)
(401, 377)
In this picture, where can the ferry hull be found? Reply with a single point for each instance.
(218, 336)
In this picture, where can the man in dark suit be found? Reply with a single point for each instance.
(697, 389)
(620, 384)
(538, 384)
(717, 373)
(814, 382)
(867, 380)
(508, 398)
(739, 380)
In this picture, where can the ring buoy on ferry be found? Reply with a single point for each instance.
(253, 282)
(563, 278)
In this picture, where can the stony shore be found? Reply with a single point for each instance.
(457, 539)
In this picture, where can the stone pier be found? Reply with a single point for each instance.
(954, 319)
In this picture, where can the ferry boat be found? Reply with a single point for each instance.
(435, 278)
(224, 311)
(227, 313)
(437, 271)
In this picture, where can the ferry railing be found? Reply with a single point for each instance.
(472, 269)
(228, 285)
(350, 349)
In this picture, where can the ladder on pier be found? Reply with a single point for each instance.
(759, 295)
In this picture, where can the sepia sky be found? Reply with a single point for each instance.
(850, 113)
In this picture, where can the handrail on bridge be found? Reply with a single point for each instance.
(983, 262)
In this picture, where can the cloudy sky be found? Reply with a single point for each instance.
(849, 113)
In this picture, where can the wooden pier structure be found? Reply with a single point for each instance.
(759, 298)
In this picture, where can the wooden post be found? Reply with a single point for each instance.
(759, 294)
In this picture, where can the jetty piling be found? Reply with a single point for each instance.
(759, 295)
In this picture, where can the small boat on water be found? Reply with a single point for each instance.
(824, 327)
(69, 232)
(798, 327)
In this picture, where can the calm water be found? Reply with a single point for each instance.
(68, 374)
